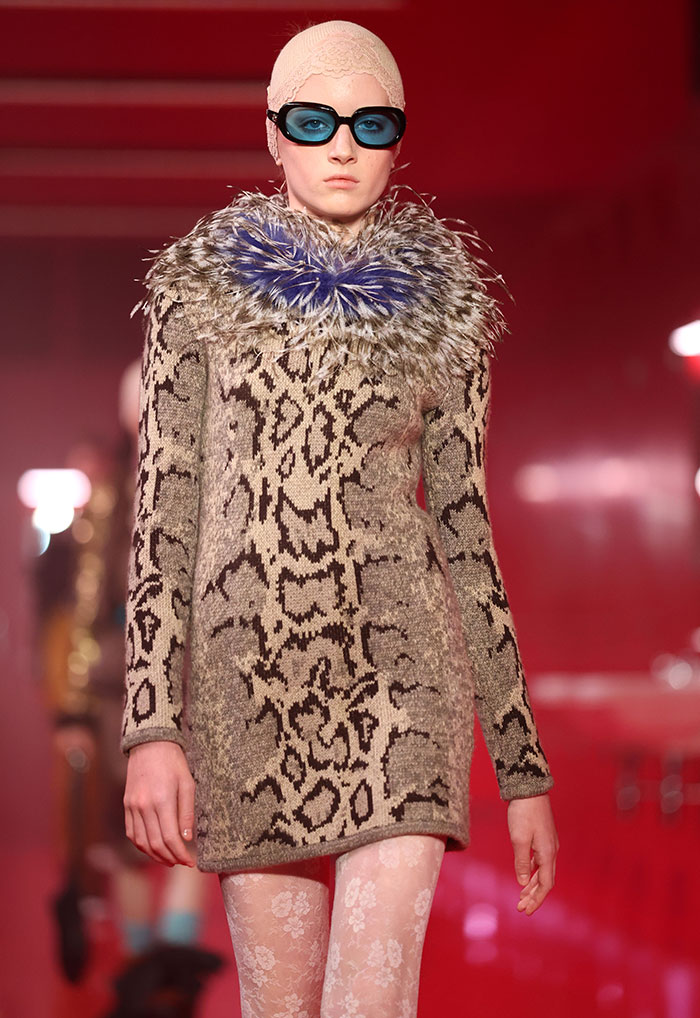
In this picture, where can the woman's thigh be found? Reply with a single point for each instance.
(279, 923)
(383, 896)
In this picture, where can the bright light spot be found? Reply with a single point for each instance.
(591, 477)
(538, 483)
(65, 487)
(480, 922)
(83, 531)
(675, 671)
(54, 495)
(613, 477)
(53, 518)
(685, 341)
(43, 540)
(697, 482)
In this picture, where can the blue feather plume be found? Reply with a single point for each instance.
(280, 269)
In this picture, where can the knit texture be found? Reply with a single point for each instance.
(295, 384)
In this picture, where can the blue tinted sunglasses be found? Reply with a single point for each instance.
(309, 123)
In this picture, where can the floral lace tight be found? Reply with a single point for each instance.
(295, 960)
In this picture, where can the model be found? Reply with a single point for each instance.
(309, 354)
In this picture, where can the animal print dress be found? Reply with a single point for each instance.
(296, 384)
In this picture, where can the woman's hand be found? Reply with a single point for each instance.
(531, 826)
(159, 802)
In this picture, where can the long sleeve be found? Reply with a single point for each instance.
(454, 482)
(165, 525)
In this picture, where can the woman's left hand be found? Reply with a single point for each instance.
(531, 827)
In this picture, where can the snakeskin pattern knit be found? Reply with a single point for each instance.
(295, 385)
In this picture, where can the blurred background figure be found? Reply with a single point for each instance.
(80, 588)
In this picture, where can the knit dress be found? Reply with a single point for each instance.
(295, 385)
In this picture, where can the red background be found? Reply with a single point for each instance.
(568, 134)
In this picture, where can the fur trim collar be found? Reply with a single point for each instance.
(404, 295)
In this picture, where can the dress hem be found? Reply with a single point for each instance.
(457, 840)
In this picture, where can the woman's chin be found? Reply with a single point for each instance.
(341, 206)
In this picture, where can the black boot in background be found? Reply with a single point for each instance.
(164, 982)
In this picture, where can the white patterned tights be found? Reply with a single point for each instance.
(295, 960)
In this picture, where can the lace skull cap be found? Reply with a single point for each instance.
(335, 48)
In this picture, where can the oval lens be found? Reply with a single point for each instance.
(310, 124)
(376, 128)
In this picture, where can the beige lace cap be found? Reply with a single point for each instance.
(335, 48)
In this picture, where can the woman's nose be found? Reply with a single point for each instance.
(343, 143)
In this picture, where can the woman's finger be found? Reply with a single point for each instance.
(522, 860)
(545, 882)
(168, 818)
(158, 850)
(128, 823)
(528, 892)
(529, 886)
(140, 838)
(185, 807)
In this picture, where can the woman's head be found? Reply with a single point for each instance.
(342, 65)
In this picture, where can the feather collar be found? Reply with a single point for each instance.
(405, 294)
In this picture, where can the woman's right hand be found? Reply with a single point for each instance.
(159, 802)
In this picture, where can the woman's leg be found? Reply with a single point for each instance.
(381, 906)
(279, 923)
(182, 905)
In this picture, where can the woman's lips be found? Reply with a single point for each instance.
(341, 182)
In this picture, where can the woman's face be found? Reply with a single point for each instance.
(307, 168)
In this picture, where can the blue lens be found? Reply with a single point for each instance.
(310, 124)
(376, 128)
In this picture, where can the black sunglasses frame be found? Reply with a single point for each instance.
(279, 118)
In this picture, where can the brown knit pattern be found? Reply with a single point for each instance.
(341, 637)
